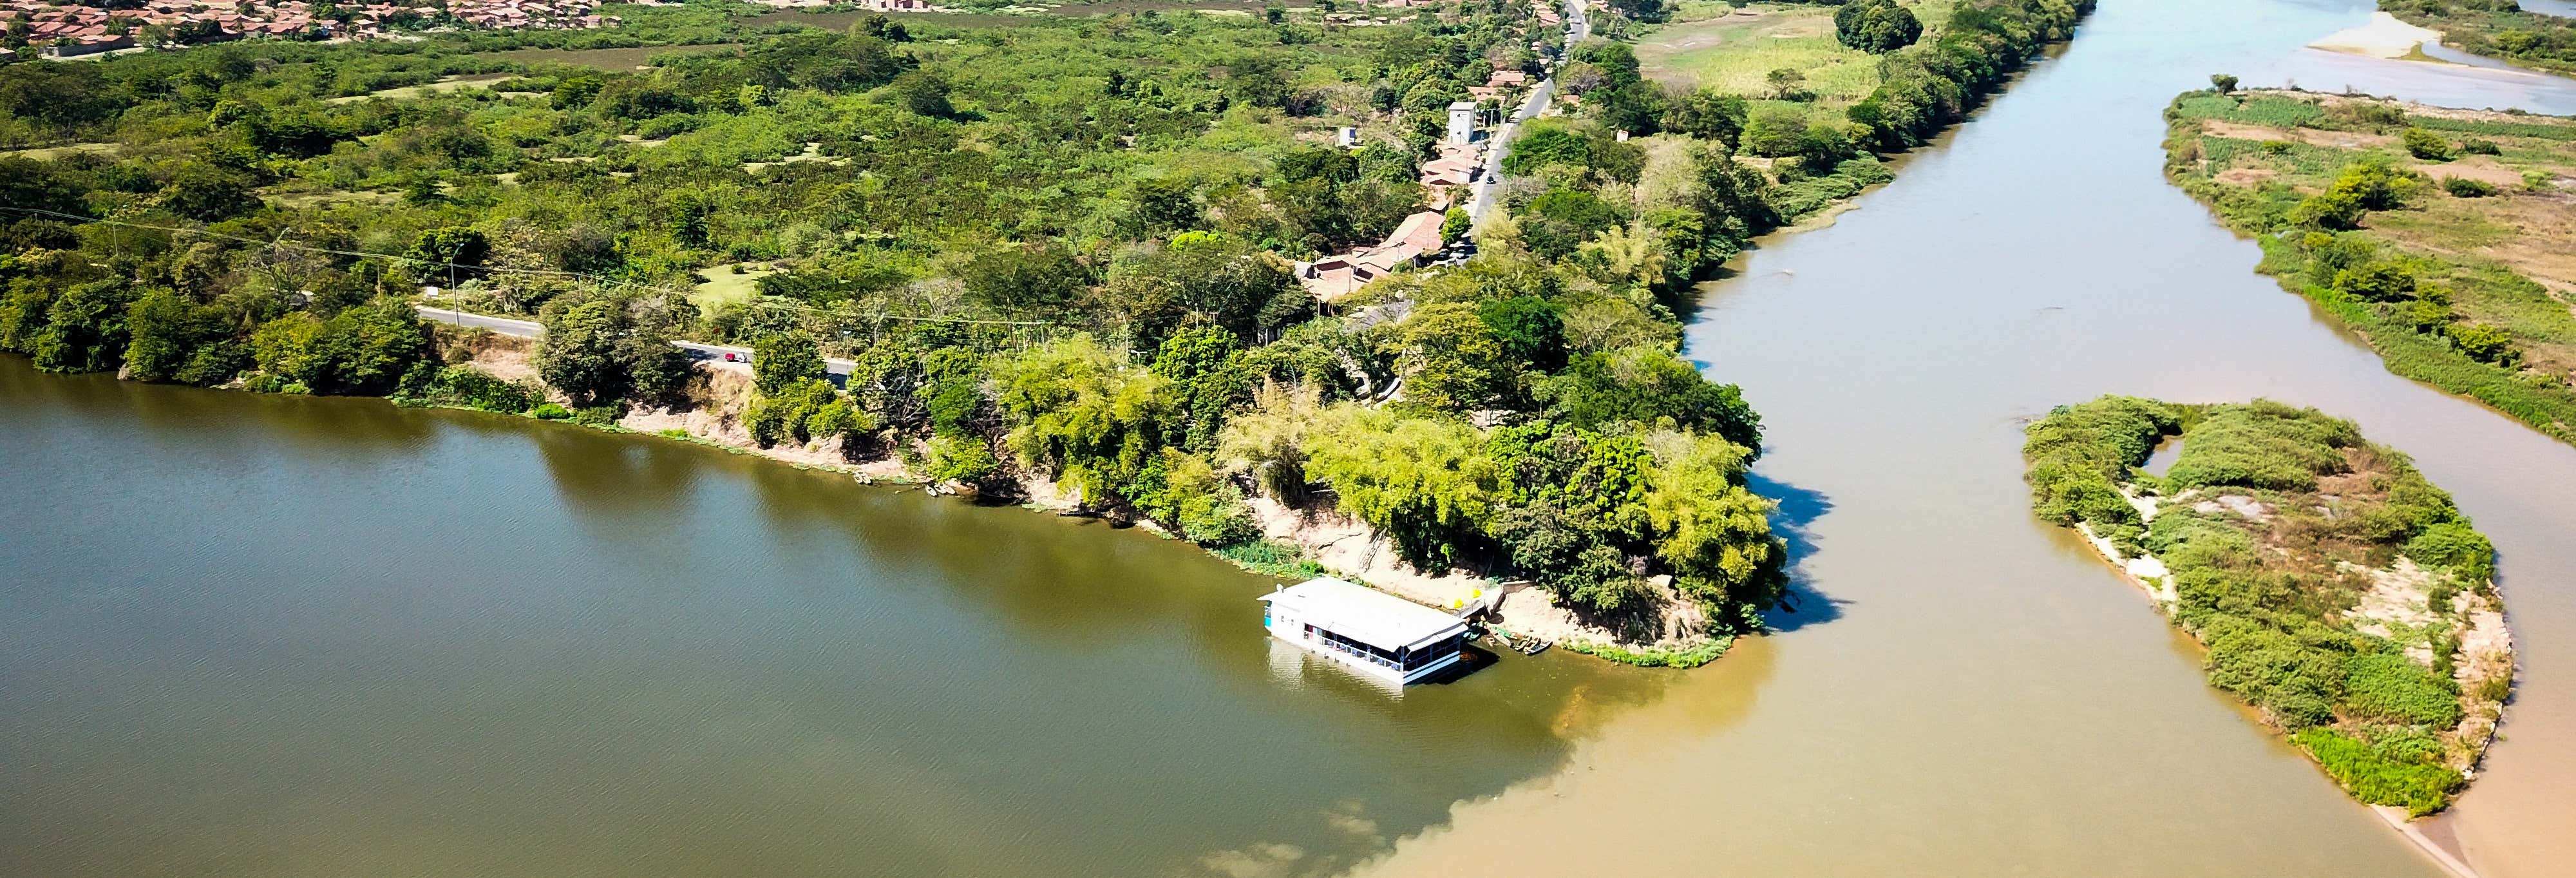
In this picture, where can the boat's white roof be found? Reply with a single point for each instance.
(1366, 614)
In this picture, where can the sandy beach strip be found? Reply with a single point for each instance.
(2383, 37)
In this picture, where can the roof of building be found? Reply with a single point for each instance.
(1422, 230)
(1366, 614)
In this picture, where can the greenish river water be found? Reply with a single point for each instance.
(270, 636)
(263, 636)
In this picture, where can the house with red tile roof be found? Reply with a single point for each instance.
(1333, 277)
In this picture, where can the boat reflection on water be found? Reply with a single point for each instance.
(1295, 666)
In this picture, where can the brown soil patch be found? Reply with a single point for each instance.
(2312, 136)
(2246, 177)
(2477, 167)
(2538, 222)
(507, 357)
(2544, 221)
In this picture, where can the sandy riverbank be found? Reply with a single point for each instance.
(2383, 37)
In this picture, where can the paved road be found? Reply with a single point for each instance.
(1576, 28)
(530, 329)
(502, 325)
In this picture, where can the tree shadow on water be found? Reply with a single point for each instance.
(1798, 512)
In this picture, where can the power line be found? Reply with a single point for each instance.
(451, 266)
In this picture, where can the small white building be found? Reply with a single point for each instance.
(1378, 634)
(1462, 122)
(1349, 136)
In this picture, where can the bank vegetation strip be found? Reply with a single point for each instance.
(2339, 593)
(2446, 238)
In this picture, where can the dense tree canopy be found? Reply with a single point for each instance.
(1876, 26)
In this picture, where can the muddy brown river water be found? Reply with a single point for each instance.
(1972, 692)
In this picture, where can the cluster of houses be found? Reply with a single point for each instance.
(869, 5)
(60, 31)
(1446, 179)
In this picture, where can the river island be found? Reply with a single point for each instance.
(2339, 594)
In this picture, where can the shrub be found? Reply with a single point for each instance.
(552, 412)
(1271, 559)
(363, 350)
(2262, 444)
(2340, 211)
(961, 459)
(2425, 145)
(779, 360)
(2428, 315)
(2294, 682)
(2463, 187)
(790, 413)
(2376, 778)
(2222, 82)
(2077, 452)
(2475, 146)
(467, 387)
(2455, 546)
(2484, 343)
(2362, 187)
(2384, 686)
(1876, 26)
(2376, 282)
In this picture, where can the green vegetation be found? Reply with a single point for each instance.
(1057, 254)
(2457, 281)
(1876, 26)
(1655, 657)
(2496, 29)
(2337, 591)
(1810, 95)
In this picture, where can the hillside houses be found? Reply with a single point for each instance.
(1333, 277)
(71, 31)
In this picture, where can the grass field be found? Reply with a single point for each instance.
(724, 287)
(2490, 228)
(1712, 45)
(452, 83)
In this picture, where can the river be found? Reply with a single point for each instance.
(1972, 692)
(269, 636)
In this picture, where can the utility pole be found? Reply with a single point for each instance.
(452, 252)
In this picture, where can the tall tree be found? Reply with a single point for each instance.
(779, 360)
